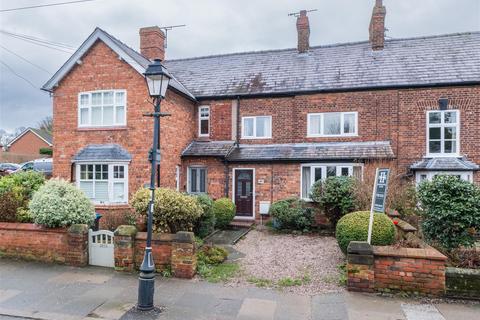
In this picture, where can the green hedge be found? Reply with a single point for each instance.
(206, 223)
(224, 211)
(451, 211)
(173, 211)
(292, 214)
(354, 227)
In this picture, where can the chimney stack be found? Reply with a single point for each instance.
(152, 43)
(377, 26)
(303, 30)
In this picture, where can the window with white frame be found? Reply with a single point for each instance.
(332, 124)
(104, 183)
(259, 127)
(314, 172)
(421, 176)
(443, 132)
(103, 108)
(203, 121)
(197, 180)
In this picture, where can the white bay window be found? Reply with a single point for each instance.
(311, 173)
(103, 108)
(332, 124)
(103, 183)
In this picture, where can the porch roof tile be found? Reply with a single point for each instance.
(291, 151)
(102, 152)
(445, 163)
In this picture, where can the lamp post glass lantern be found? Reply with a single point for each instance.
(157, 79)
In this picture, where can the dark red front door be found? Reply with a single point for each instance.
(244, 192)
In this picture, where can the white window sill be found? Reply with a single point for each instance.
(442, 155)
(331, 135)
(255, 138)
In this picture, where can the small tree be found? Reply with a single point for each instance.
(451, 211)
(335, 196)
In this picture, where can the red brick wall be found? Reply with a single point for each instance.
(32, 242)
(29, 143)
(414, 105)
(395, 115)
(413, 270)
(100, 70)
(161, 250)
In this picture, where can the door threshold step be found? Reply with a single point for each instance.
(242, 223)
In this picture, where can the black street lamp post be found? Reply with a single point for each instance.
(157, 79)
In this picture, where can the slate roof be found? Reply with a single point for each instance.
(447, 163)
(432, 60)
(102, 152)
(132, 57)
(208, 148)
(291, 151)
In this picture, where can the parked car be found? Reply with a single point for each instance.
(41, 165)
(7, 168)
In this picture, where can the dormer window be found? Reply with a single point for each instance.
(443, 133)
(105, 108)
(203, 121)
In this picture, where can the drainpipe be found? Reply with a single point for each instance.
(227, 177)
(237, 138)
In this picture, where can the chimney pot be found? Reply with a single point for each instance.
(303, 31)
(152, 43)
(377, 26)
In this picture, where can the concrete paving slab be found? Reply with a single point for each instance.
(451, 311)
(8, 293)
(372, 307)
(257, 309)
(83, 277)
(329, 307)
(421, 312)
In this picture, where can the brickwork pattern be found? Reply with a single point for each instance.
(32, 242)
(29, 143)
(171, 252)
(412, 270)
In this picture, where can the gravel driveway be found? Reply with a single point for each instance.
(302, 264)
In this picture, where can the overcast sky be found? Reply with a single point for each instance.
(213, 26)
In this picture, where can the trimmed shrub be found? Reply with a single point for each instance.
(212, 255)
(450, 208)
(173, 211)
(354, 227)
(24, 215)
(206, 223)
(60, 204)
(46, 151)
(335, 196)
(10, 202)
(292, 214)
(224, 212)
(16, 190)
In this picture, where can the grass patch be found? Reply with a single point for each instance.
(218, 273)
(260, 282)
(342, 278)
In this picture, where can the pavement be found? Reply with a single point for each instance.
(40, 291)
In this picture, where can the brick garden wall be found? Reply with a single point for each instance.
(390, 269)
(32, 242)
(175, 252)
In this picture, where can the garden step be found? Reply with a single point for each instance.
(241, 223)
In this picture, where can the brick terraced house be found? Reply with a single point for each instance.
(262, 126)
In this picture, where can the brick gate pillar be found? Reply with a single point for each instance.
(184, 259)
(124, 248)
(360, 267)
